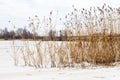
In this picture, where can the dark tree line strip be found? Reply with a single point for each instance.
(18, 34)
(23, 33)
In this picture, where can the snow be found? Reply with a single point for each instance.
(64, 74)
(8, 71)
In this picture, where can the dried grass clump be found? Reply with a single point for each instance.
(93, 36)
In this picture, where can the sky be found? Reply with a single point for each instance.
(18, 11)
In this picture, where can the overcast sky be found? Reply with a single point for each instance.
(18, 11)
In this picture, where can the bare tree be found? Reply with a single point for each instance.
(6, 34)
(52, 34)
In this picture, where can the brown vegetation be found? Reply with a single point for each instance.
(95, 39)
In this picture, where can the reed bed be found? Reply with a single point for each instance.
(100, 27)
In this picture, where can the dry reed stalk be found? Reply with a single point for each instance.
(98, 44)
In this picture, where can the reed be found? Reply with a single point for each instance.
(97, 40)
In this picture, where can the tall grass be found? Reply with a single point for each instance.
(97, 40)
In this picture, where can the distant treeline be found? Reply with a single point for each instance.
(18, 34)
(21, 33)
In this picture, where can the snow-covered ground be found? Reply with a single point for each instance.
(10, 72)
